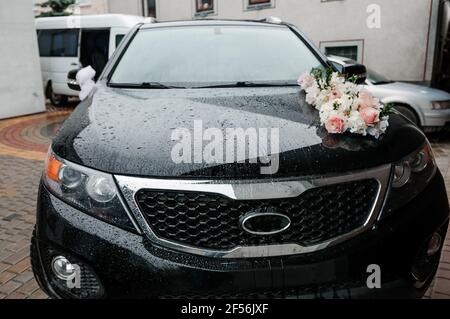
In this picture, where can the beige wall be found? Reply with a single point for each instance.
(133, 7)
(93, 7)
(21, 90)
(398, 49)
(402, 49)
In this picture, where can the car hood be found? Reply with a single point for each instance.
(424, 92)
(129, 132)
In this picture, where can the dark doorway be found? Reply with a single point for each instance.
(445, 65)
(94, 49)
(151, 8)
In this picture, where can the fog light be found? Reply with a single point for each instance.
(426, 262)
(434, 245)
(63, 269)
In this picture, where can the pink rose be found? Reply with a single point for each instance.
(369, 115)
(305, 80)
(302, 78)
(335, 125)
(365, 99)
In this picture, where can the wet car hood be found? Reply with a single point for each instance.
(129, 132)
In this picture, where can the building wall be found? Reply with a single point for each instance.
(400, 48)
(93, 7)
(21, 90)
(133, 7)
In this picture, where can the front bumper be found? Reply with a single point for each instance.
(128, 265)
(435, 118)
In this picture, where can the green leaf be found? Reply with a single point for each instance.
(387, 109)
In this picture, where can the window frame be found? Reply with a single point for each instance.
(258, 6)
(205, 12)
(359, 43)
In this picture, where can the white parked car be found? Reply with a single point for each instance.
(72, 42)
(425, 106)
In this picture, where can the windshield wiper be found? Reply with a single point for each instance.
(246, 84)
(144, 85)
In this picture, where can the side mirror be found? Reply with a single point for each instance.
(72, 80)
(357, 70)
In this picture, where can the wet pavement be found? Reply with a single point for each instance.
(23, 144)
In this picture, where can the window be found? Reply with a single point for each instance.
(119, 39)
(58, 43)
(204, 6)
(45, 42)
(348, 49)
(151, 8)
(64, 43)
(256, 2)
(71, 43)
(214, 55)
(259, 4)
(350, 52)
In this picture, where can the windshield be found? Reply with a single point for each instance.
(376, 78)
(200, 56)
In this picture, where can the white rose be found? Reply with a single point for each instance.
(311, 94)
(356, 124)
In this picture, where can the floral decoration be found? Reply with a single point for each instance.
(343, 105)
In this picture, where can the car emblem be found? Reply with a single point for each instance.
(265, 223)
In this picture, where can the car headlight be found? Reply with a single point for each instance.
(91, 191)
(441, 105)
(410, 177)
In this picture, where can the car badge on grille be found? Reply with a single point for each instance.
(265, 223)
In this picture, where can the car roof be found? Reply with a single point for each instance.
(90, 21)
(204, 22)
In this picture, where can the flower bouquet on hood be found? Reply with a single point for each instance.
(343, 105)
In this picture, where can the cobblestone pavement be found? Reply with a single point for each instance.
(441, 286)
(23, 144)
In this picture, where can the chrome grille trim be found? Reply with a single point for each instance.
(252, 190)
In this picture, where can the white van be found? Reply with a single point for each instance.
(73, 42)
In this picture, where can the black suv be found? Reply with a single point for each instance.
(132, 203)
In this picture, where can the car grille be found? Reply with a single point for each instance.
(212, 221)
(321, 291)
